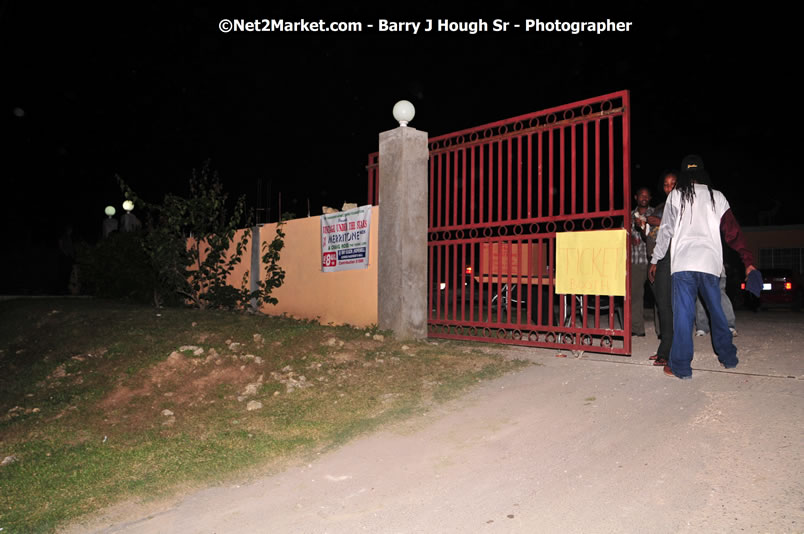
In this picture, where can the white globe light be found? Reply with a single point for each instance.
(110, 211)
(404, 112)
(128, 205)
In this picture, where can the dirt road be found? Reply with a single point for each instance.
(596, 444)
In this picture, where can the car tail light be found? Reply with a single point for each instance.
(742, 286)
(788, 285)
(468, 269)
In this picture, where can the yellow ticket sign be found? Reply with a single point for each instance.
(591, 263)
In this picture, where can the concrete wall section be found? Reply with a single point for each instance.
(769, 237)
(344, 297)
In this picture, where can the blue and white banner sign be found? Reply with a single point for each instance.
(345, 239)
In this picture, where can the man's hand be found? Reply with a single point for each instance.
(748, 270)
(652, 272)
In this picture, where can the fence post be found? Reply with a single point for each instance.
(256, 264)
(402, 269)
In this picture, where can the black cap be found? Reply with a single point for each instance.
(693, 167)
(691, 163)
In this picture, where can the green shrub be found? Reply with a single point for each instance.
(199, 274)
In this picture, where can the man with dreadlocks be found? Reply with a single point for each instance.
(694, 216)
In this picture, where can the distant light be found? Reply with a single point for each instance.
(110, 211)
(128, 205)
(404, 112)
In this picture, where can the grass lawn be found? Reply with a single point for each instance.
(103, 401)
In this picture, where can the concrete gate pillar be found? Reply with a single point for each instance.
(402, 266)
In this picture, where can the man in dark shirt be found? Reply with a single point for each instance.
(662, 287)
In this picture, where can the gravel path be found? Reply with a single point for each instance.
(596, 444)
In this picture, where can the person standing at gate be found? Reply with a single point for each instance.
(639, 259)
(694, 216)
(661, 284)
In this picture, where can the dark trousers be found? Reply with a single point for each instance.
(663, 294)
(639, 274)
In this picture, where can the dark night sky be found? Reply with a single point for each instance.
(150, 92)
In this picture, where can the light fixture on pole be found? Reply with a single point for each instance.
(404, 112)
(128, 206)
(109, 223)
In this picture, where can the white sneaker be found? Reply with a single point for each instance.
(700, 333)
(733, 331)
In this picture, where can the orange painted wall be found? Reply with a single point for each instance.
(236, 276)
(344, 297)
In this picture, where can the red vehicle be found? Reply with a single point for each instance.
(781, 288)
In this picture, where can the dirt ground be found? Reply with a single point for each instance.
(593, 444)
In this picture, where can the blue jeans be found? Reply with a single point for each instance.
(702, 321)
(686, 286)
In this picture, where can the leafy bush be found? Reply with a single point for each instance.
(187, 242)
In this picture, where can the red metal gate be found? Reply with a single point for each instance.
(498, 194)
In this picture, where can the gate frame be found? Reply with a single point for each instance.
(552, 121)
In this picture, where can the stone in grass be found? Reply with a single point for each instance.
(8, 460)
(253, 405)
(235, 347)
(379, 337)
(212, 356)
(251, 390)
(333, 341)
(258, 338)
(167, 413)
